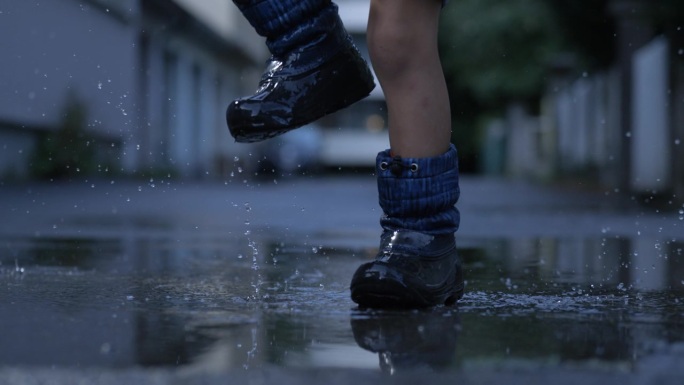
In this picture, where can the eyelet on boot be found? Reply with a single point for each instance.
(397, 166)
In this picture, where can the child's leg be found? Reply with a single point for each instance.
(417, 264)
(402, 40)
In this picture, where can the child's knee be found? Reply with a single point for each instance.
(388, 48)
(390, 41)
(402, 34)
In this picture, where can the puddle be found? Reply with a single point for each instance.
(234, 302)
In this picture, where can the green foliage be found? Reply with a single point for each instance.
(69, 151)
(496, 52)
(587, 29)
(493, 52)
(498, 49)
(667, 14)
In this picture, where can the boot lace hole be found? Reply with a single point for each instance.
(414, 167)
(384, 166)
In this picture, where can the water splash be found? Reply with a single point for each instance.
(18, 269)
(257, 281)
(251, 354)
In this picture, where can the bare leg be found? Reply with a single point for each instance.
(402, 40)
(418, 177)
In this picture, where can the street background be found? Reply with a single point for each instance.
(166, 281)
(139, 243)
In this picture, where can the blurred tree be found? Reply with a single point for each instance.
(494, 52)
(499, 49)
(68, 151)
(587, 30)
(667, 14)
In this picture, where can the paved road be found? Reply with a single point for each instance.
(566, 285)
(490, 208)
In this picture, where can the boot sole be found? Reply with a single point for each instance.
(391, 294)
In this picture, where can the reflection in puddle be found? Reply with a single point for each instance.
(203, 305)
(409, 340)
(611, 300)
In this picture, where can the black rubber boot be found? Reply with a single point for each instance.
(417, 264)
(315, 70)
(411, 270)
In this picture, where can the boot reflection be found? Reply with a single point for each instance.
(409, 340)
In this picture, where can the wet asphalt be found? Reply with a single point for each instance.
(246, 282)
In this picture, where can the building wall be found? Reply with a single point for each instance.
(585, 122)
(54, 49)
(153, 77)
(651, 151)
(61, 46)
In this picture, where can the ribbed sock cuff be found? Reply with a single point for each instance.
(288, 24)
(419, 194)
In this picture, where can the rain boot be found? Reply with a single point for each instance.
(314, 70)
(417, 264)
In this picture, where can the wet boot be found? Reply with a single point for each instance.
(314, 70)
(417, 264)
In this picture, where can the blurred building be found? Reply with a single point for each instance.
(151, 77)
(353, 137)
(622, 128)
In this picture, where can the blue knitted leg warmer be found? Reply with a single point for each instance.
(419, 194)
(289, 24)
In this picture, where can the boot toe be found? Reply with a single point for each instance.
(252, 121)
(296, 95)
(411, 270)
(379, 285)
